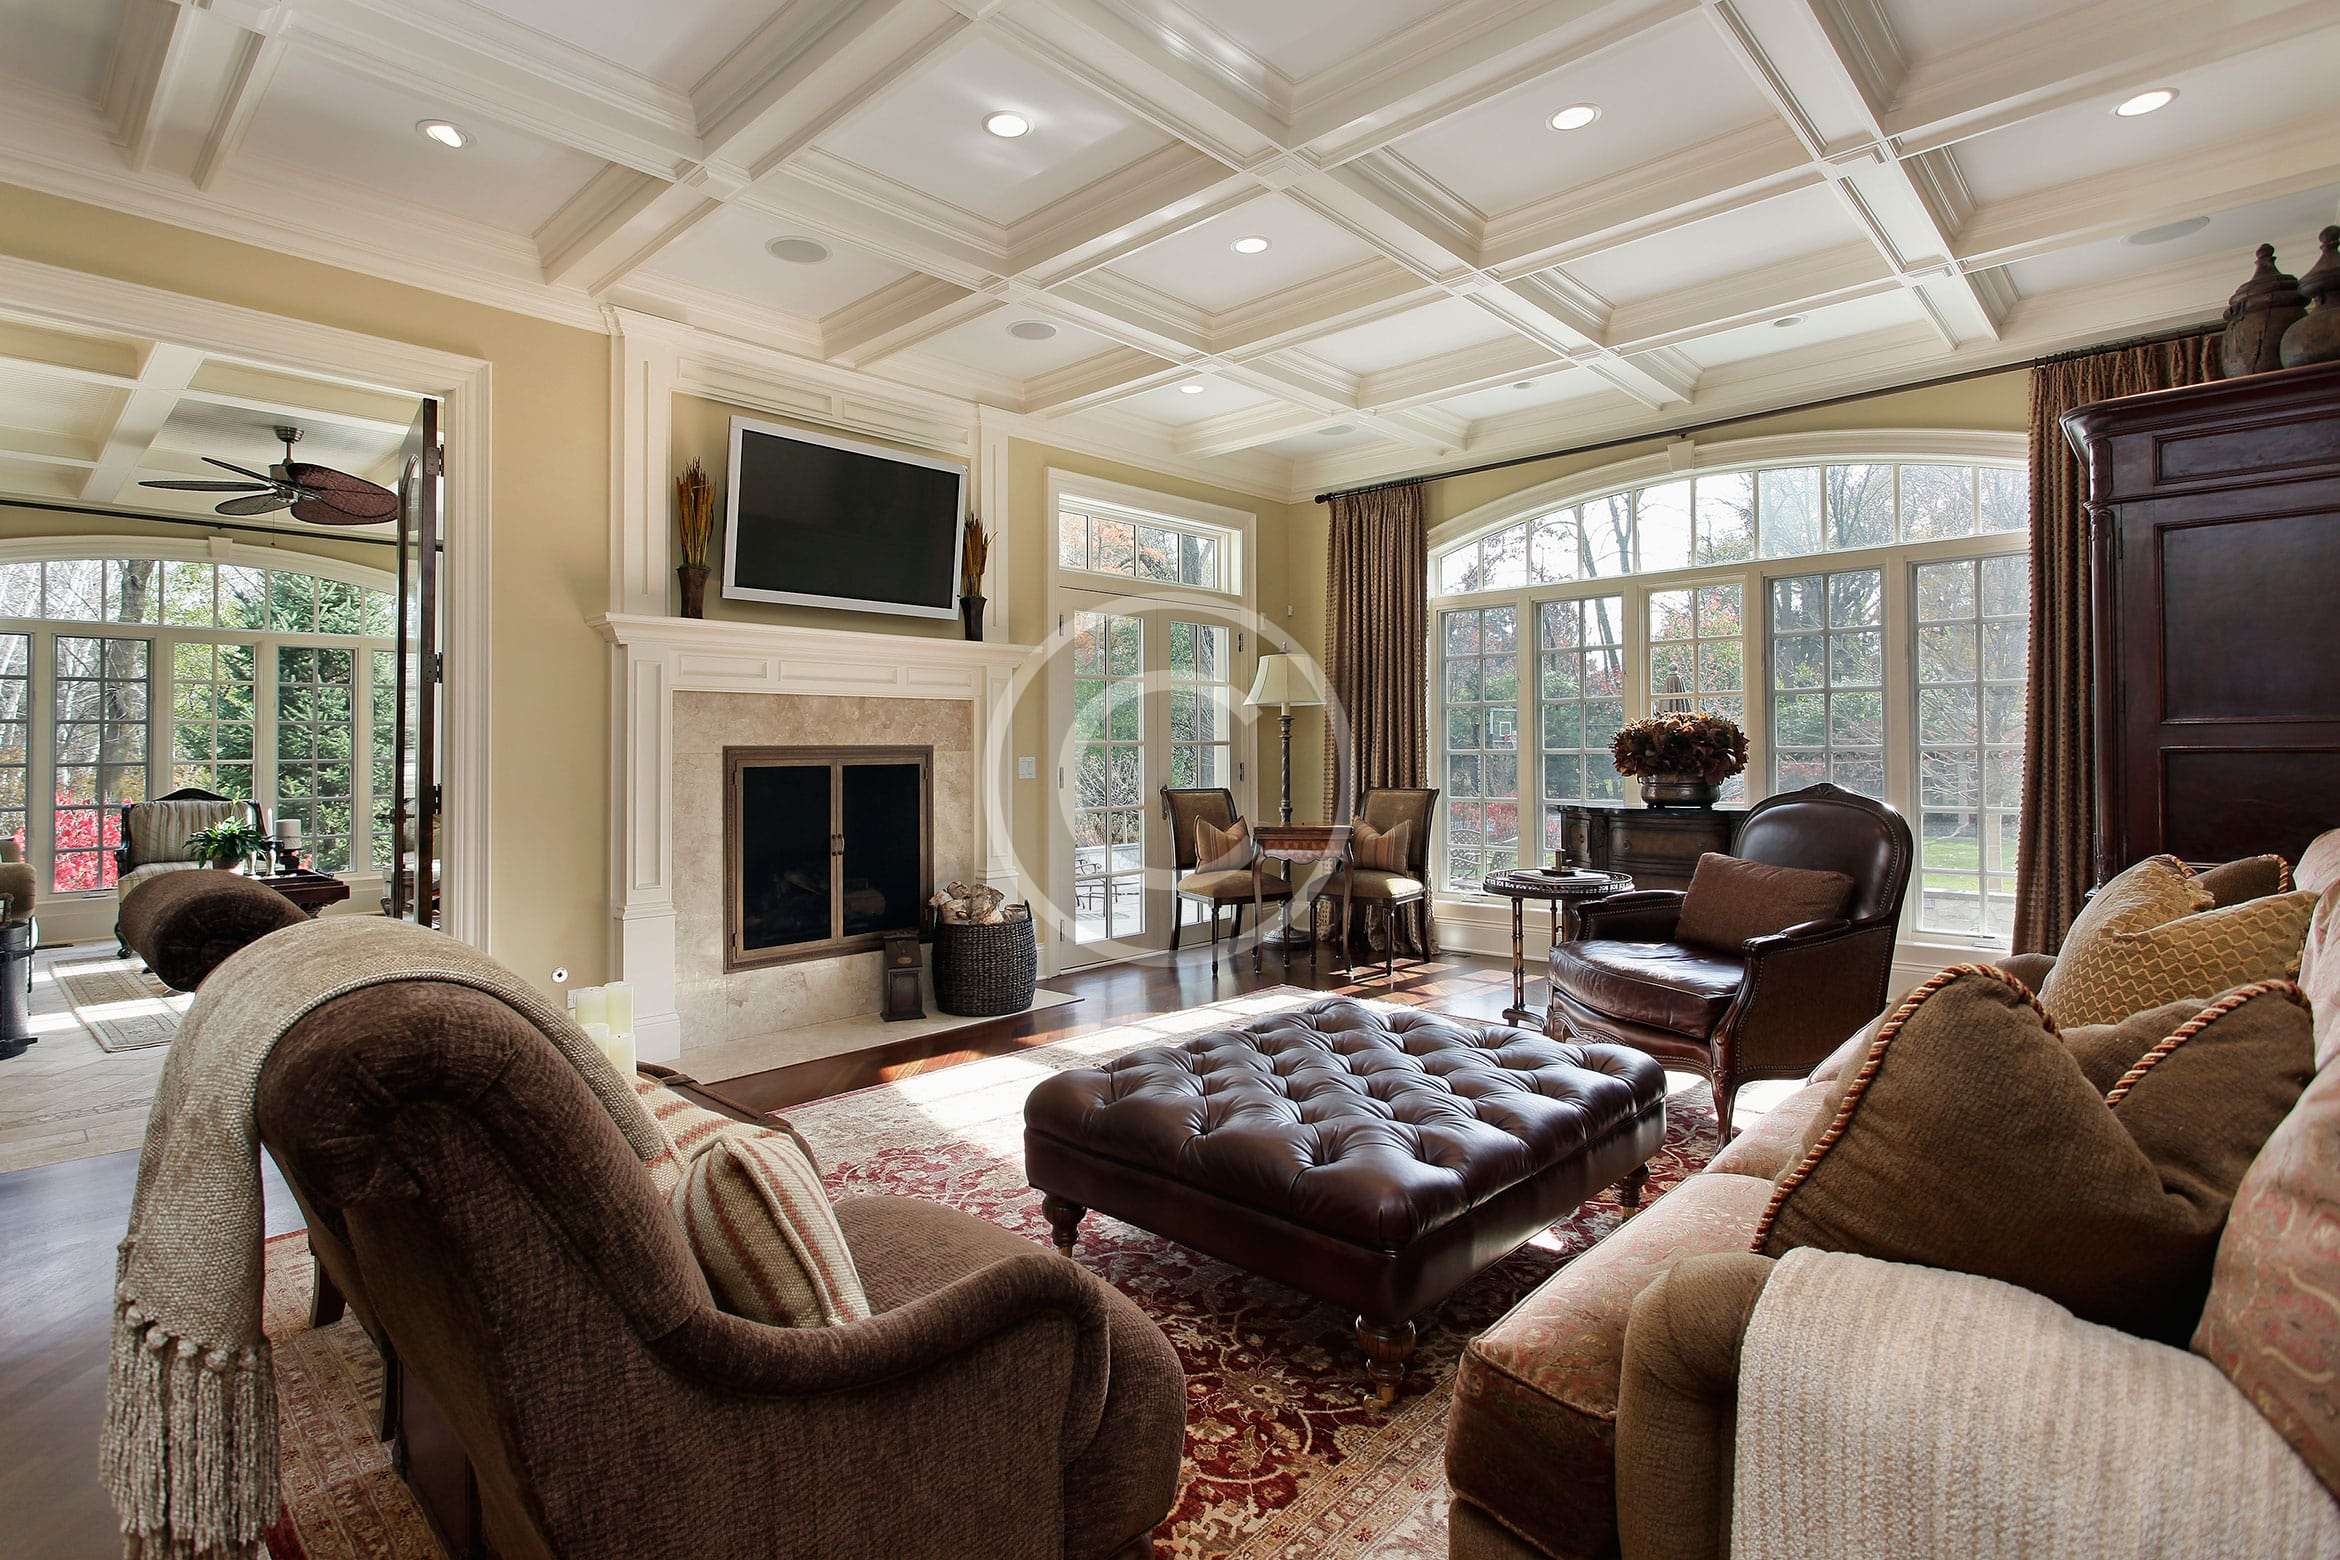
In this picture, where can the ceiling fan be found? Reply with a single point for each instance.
(317, 494)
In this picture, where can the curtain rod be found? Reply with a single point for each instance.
(2181, 333)
(144, 518)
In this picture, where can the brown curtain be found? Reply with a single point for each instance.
(2059, 753)
(1377, 647)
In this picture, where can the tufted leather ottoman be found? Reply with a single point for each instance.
(1373, 1158)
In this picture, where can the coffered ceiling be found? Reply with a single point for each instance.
(1771, 199)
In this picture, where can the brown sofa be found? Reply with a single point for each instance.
(571, 1388)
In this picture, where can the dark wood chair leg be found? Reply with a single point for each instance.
(1177, 919)
(1237, 933)
(1388, 943)
(1214, 937)
(1726, 1094)
(1387, 1346)
(1064, 1219)
(1630, 1189)
(325, 1301)
(393, 1393)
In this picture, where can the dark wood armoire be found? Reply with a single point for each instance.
(2214, 530)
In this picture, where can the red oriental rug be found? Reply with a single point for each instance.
(1286, 1454)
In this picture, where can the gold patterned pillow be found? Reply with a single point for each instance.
(758, 1219)
(2120, 969)
(1380, 850)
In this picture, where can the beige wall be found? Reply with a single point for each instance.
(550, 745)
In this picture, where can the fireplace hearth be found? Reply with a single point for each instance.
(825, 849)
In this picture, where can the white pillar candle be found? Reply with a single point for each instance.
(288, 832)
(618, 1048)
(618, 1004)
(590, 1007)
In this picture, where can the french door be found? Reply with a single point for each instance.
(1145, 694)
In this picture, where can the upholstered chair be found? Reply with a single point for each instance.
(569, 1386)
(155, 835)
(1385, 893)
(1184, 807)
(1774, 1006)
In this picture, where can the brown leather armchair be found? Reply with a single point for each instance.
(567, 1385)
(1774, 1006)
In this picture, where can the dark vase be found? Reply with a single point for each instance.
(694, 590)
(2315, 336)
(2258, 314)
(971, 614)
(1677, 791)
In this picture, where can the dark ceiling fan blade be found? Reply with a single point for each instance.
(241, 471)
(353, 500)
(257, 504)
(209, 487)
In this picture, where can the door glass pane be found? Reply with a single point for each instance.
(1105, 778)
(316, 748)
(100, 735)
(1201, 706)
(1972, 625)
(1480, 718)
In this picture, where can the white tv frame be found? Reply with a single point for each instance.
(733, 591)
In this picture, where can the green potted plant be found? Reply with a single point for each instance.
(230, 843)
(1680, 759)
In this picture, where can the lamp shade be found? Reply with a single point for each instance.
(1280, 683)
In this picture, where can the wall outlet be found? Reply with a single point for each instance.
(1027, 767)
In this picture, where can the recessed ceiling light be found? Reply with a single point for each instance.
(1251, 245)
(1005, 125)
(1032, 330)
(1787, 321)
(797, 251)
(445, 134)
(1523, 384)
(1195, 389)
(2167, 231)
(1576, 116)
(2147, 102)
(1336, 430)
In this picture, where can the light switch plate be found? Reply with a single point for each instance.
(1027, 767)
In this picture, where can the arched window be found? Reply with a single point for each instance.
(1862, 612)
(129, 668)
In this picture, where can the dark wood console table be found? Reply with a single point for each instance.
(1657, 847)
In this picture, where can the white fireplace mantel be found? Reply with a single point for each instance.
(654, 658)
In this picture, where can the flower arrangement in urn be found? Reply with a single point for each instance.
(1680, 759)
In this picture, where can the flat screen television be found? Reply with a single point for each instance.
(830, 522)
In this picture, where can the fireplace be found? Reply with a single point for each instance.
(824, 849)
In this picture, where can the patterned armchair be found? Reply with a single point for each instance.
(155, 835)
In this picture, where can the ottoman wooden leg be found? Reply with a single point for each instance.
(1387, 1347)
(1064, 1218)
(1629, 1190)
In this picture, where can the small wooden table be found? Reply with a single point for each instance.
(312, 891)
(1298, 844)
(1561, 891)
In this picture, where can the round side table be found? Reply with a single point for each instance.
(1560, 890)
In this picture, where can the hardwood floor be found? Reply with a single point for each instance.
(59, 1223)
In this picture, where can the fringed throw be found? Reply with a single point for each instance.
(189, 1449)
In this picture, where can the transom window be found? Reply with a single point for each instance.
(1096, 538)
(126, 676)
(1864, 619)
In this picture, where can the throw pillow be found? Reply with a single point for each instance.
(2245, 878)
(1732, 899)
(1222, 850)
(2272, 1323)
(2319, 972)
(2319, 864)
(757, 1218)
(1969, 1139)
(2150, 936)
(2106, 1052)
(1380, 850)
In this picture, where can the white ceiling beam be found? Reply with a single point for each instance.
(163, 375)
(1098, 381)
(2264, 165)
(898, 317)
(257, 57)
(149, 56)
(1766, 292)
(2075, 56)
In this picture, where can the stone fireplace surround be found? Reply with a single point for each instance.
(683, 690)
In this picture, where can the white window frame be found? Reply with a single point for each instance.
(1897, 562)
(163, 640)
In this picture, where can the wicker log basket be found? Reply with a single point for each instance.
(983, 970)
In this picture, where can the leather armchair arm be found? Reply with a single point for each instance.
(1802, 931)
(1644, 915)
(1803, 993)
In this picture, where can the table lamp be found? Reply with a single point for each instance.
(1282, 685)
